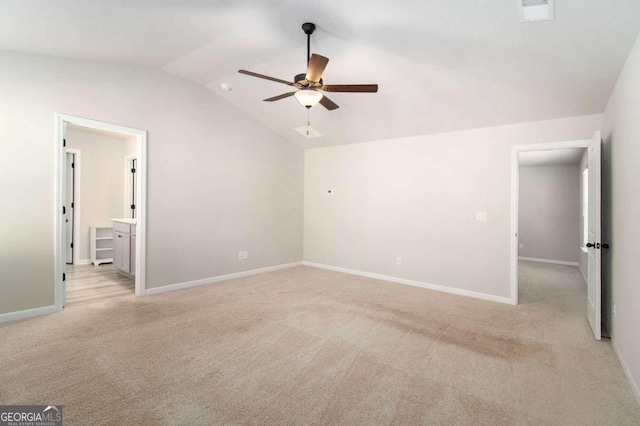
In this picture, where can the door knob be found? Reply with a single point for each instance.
(591, 245)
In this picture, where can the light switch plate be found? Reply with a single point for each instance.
(481, 216)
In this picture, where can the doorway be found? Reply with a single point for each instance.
(593, 227)
(67, 194)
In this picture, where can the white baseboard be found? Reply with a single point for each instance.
(634, 385)
(84, 262)
(583, 274)
(414, 283)
(555, 262)
(187, 284)
(27, 313)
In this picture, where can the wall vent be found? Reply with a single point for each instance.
(535, 10)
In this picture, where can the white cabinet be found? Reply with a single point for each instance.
(133, 254)
(122, 251)
(101, 244)
(124, 248)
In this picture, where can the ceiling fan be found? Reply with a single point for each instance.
(310, 85)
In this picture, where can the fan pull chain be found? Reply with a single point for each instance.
(308, 121)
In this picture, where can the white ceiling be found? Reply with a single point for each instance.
(550, 157)
(442, 65)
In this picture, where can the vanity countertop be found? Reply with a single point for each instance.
(125, 220)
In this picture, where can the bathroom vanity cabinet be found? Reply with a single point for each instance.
(124, 246)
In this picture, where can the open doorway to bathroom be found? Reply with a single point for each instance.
(96, 257)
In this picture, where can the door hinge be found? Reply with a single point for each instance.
(64, 210)
(133, 170)
(133, 206)
(71, 205)
(64, 142)
(71, 245)
(64, 276)
(73, 165)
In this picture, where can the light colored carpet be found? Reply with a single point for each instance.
(308, 346)
(89, 283)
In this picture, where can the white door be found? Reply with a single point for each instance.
(65, 216)
(594, 293)
(70, 216)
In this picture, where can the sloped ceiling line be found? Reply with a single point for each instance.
(440, 65)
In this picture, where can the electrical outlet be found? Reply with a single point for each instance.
(614, 309)
(246, 254)
(521, 245)
(481, 216)
(240, 255)
(398, 261)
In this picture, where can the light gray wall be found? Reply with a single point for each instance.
(548, 214)
(582, 256)
(218, 181)
(621, 201)
(102, 181)
(417, 198)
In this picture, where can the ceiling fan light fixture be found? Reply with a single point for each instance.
(308, 97)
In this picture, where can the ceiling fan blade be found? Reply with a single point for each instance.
(316, 67)
(266, 77)
(328, 103)
(277, 98)
(351, 88)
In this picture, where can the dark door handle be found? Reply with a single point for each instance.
(597, 245)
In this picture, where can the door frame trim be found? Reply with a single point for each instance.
(61, 121)
(515, 180)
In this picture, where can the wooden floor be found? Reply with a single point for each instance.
(88, 284)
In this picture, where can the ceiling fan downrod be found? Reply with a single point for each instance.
(308, 29)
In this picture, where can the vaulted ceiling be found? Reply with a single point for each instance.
(442, 65)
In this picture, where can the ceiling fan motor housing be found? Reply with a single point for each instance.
(302, 80)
